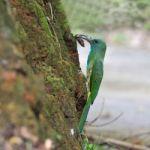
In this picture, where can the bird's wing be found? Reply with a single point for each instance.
(89, 71)
(90, 63)
(95, 80)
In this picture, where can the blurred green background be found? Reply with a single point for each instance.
(93, 15)
(119, 22)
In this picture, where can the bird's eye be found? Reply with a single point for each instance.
(95, 41)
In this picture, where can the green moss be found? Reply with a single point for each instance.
(55, 83)
(42, 17)
(21, 34)
(37, 17)
(39, 12)
(61, 15)
(25, 3)
(59, 6)
(69, 73)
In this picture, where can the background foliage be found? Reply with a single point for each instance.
(93, 15)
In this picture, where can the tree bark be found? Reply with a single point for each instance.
(39, 69)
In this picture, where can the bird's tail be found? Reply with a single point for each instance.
(84, 115)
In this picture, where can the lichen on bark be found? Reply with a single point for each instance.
(50, 82)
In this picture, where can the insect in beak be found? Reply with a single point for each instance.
(80, 38)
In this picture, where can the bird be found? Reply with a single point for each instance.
(94, 71)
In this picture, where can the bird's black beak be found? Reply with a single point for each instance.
(80, 38)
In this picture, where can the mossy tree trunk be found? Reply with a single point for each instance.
(39, 68)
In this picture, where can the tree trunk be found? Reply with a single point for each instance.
(39, 67)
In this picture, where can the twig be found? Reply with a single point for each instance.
(107, 123)
(99, 115)
(126, 145)
(137, 135)
(51, 9)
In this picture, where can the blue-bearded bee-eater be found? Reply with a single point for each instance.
(94, 72)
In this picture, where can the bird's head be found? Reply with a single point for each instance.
(96, 44)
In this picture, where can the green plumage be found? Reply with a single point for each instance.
(94, 76)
